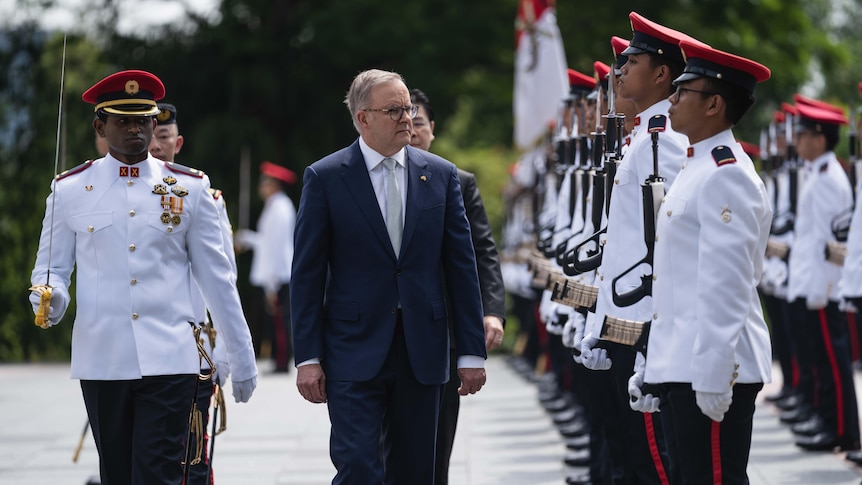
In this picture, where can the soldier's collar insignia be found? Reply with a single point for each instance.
(689, 152)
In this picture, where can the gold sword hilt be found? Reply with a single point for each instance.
(44, 310)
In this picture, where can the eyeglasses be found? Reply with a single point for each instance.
(680, 90)
(395, 114)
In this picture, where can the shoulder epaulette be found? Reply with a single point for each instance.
(72, 171)
(723, 155)
(216, 193)
(176, 167)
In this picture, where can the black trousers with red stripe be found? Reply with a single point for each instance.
(835, 393)
(704, 451)
(644, 455)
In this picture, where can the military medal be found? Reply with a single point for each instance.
(160, 189)
(180, 191)
(170, 180)
(176, 210)
(166, 206)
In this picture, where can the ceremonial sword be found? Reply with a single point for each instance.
(44, 291)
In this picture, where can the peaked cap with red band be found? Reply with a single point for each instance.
(601, 72)
(816, 118)
(789, 109)
(127, 93)
(649, 36)
(751, 149)
(278, 172)
(619, 45)
(580, 83)
(704, 61)
(816, 103)
(778, 116)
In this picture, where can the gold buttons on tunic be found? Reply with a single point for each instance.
(132, 213)
(90, 229)
(134, 281)
(132, 247)
(130, 182)
(134, 316)
(669, 213)
(170, 229)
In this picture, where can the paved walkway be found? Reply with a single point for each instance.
(504, 437)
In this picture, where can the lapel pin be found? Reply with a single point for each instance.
(423, 178)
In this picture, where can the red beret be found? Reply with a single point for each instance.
(751, 149)
(278, 172)
(649, 36)
(800, 99)
(704, 61)
(130, 93)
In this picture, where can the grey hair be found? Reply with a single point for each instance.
(360, 89)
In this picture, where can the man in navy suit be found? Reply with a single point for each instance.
(380, 226)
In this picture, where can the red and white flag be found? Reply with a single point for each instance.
(541, 79)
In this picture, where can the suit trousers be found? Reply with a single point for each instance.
(384, 429)
(702, 450)
(450, 404)
(139, 427)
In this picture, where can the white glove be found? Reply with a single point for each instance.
(594, 358)
(59, 303)
(816, 302)
(222, 364)
(714, 404)
(640, 402)
(577, 337)
(242, 389)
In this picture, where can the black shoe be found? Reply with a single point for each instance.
(577, 458)
(826, 441)
(578, 442)
(577, 427)
(809, 427)
(796, 415)
(579, 478)
(854, 456)
(558, 405)
(787, 403)
(550, 395)
(565, 416)
(783, 393)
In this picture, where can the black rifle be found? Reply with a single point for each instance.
(653, 192)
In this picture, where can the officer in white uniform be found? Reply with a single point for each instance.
(709, 351)
(813, 289)
(133, 225)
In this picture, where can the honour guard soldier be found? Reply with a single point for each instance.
(813, 290)
(654, 61)
(138, 230)
(165, 145)
(708, 350)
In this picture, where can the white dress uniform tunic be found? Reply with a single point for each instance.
(710, 243)
(851, 278)
(825, 194)
(134, 287)
(624, 245)
(272, 243)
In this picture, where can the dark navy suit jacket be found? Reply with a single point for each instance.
(347, 283)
